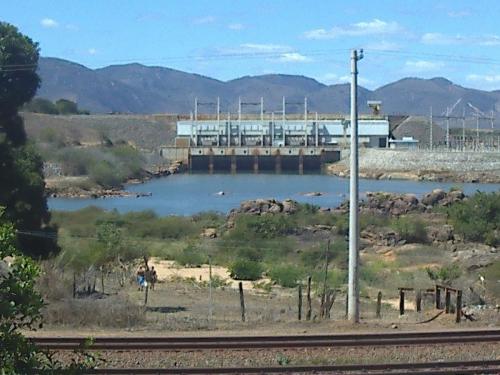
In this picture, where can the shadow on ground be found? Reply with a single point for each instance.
(165, 309)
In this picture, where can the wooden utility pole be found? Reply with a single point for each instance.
(309, 307)
(325, 281)
(300, 303)
(242, 301)
(379, 305)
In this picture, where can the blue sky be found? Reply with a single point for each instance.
(226, 39)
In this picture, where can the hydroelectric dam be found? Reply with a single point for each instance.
(269, 141)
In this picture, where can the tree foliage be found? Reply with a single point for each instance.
(20, 309)
(22, 185)
(477, 218)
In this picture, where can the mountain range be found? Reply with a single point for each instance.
(139, 89)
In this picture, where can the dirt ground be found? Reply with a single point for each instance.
(168, 270)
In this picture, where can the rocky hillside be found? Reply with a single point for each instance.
(135, 88)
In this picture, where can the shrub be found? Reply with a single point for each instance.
(106, 174)
(268, 226)
(110, 312)
(335, 279)
(75, 162)
(190, 257)
(315, 256)
(411, 229)
(476, 218)
(369, 219)
(246, 270)
(445, 274)
(287, 276)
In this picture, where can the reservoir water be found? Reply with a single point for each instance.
(187, 194)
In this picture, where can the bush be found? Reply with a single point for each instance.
(445, 274)
(287, 276)
(315, 256)
(106, 174)
(477, 218)
(411, 229)
(246, 270)
(190, 257)
(110, 312)
(268, 226)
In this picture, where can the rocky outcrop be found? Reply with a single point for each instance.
(266, 206)
(382, 203)
(97, 193)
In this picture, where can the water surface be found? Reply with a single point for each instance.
(187, 194)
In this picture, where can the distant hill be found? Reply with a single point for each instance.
(139, 89)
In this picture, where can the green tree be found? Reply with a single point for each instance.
(22, 186)
(66, 107)
(20, 309)
(41, 105)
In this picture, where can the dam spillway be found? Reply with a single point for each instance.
(260, 159)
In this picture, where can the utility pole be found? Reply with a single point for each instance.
(477, 131)
(447, 128)
(218, 121)
(430, 131)
(353, 290)
(463, 129)
(305, 119)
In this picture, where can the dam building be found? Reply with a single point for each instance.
(272, 141)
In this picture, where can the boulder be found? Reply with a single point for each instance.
(432, 198)
(289, 206)
(441, 233)
(209, 233)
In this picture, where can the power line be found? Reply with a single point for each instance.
(280, 54)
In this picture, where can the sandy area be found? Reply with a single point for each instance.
(168, 270)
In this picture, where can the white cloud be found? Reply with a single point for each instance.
(204, 20)
(49, 23)
(374, 27)
(293, 57)
(420, 66)
(92, 51)
(256, 47)
(487, 78)
(333, 78)
(445, 39)
(438, 38)
(235, 26)
(490, 40)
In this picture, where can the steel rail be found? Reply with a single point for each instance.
(260, 342)
(437, 368)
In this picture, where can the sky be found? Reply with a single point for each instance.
(227, 39)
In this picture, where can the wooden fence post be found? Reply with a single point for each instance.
(300, 302)
(418, 300)
(401, 302)
(309, 307)
(346, 304)
(459, 306)
(74, 284)
(438, 297)
(379, 305)
(323, 295)
(242, 302)
(447, 301)
(329, 304)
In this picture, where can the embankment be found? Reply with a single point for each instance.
(423, 165)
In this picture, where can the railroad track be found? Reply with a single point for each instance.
(263, 342)
(432, 368)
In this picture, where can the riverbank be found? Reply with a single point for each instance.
(81, 187)
(436, 166)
